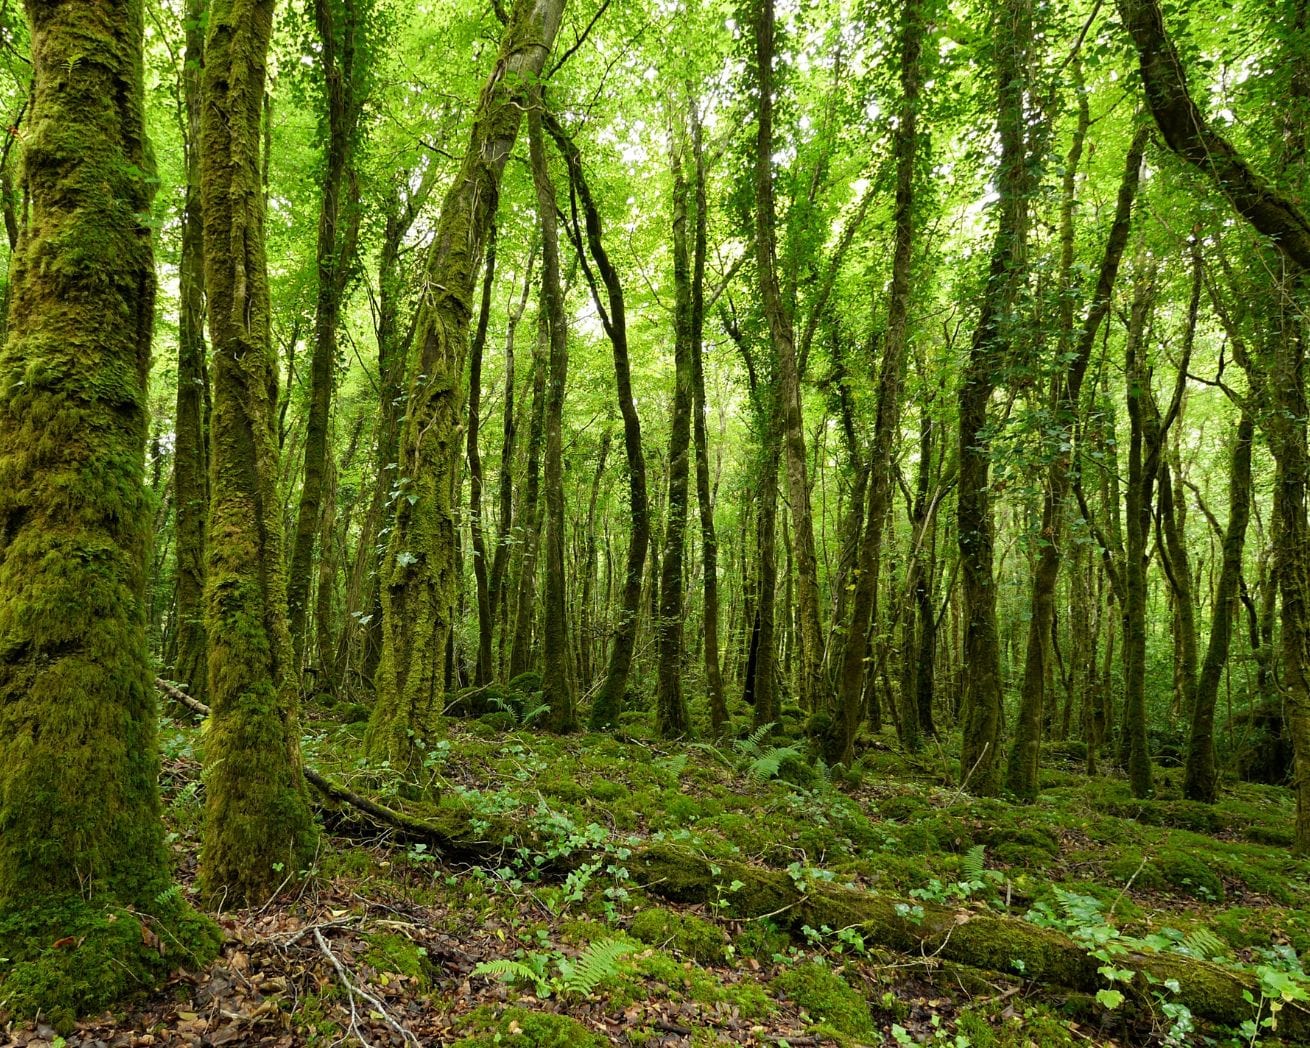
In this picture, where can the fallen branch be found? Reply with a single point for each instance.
(977, 939)
(352, 990)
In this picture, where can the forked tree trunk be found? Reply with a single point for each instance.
(418, 580)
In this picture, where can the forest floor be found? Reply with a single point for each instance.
(389, 944)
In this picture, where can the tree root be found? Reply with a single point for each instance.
(974, 938)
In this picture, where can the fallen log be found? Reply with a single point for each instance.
(975, 938)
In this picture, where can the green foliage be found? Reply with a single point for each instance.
(558, 974)
(827, 998)
(528, 1029)
(685, 933)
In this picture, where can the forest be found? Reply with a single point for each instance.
(654, 522)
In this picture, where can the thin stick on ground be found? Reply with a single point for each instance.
(352, 989)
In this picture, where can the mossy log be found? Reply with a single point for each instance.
(978, 939)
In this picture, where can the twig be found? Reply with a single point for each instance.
(352, 990)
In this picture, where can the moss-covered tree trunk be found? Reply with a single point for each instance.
(524, 617)
(778, 314)
(418, 578)
(477, 531)
(191, 446)
(1034, 701)
(992, 338)
(337, 22)
(1201, 774)
(257, 823)
(556, 685)
(82, 858)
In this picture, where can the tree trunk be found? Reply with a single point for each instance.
(557, 688)
(782, 335)
(82, 856)
(418, 583)
(529, 515)
(337, 25)
(891, 380)
(258, 827)
(609, 702)
(1201, 776)
(991, 344)
(671, 717)
(190, 447)
(1022, 772)
(483, 671)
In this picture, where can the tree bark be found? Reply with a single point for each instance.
(191, 447)
(257, 821)
(477, 532)
(1022, 772)
(783, 338)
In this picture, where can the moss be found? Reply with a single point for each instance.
(527, 1029)
(390, 953)
(827, 998)
(75, 958)
(687, 934)
(500, 721)
(1171, 871)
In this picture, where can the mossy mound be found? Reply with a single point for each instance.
(76, 958)
(527, 1029)
(828, 999)
(686, 934)
(1170, 871)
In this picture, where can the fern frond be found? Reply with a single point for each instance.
(1202, 942)
(510, 971)
(169, 897)
(600, 961)
(768, 764)
(750, 746)
(533, 714)
(973, 863)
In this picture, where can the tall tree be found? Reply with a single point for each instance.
(190, 447)
(891, 380)
(257, 820)
(557, 688)
(991, 345)
(418, 585)
(671, 717)
(1021, 776)
(782, 335)
(339, 23)
(82, 859)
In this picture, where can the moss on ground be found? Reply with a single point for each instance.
(686, 934)
(526, 1029)
(827, 999)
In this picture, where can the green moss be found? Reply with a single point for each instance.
(827, 998)
(75, 958)
(397, 954)
(499, 721)
(1170, 871)
(687, 934)
(527, 1029)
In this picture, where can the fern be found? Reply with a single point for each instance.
(750, 746)
(169, 897)
(674, 765)
(973, 863)
(537, 711)
(1203, 943)
(514, 972)
(767, 765)
(600, 961)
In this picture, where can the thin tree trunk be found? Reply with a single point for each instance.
(891, 380)
(529, 516)
(557, 688)
(483, 671)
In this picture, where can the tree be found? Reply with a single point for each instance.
(258, 828)
(418, 583)
(82, 858)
